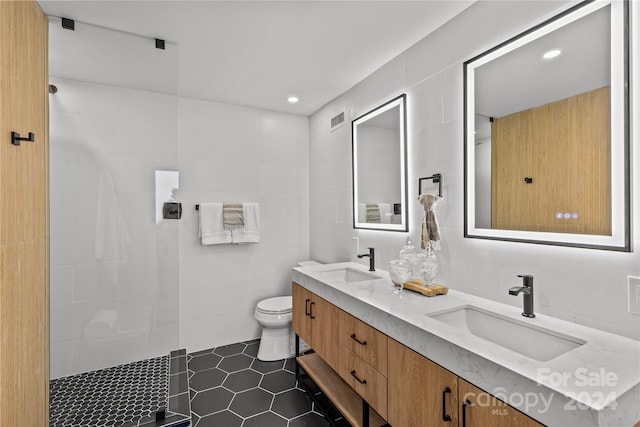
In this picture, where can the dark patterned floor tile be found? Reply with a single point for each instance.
(290, 365)
(221, 419)
(309, 420)
(252, 349)
(209, 378)
(229, 350)
(235, 363)
(251, 402)
(278, 381)
(291, 404)
(266, 367)
(267, 419)
(210, 401)
(243, 380)
(206, 361)
(201, 352)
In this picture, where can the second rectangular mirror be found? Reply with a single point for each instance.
(379, 168)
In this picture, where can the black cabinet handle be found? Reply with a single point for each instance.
(306, 307)
(466, 404)
(353, 374)
(353, 337)
(445, 416)
(311, 310)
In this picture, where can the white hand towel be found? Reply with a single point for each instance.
(212, 230)
(385, 212)
(250, 233)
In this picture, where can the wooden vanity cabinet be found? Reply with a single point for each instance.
(354, 362)
(421, 393)
(316, 321)
(477, 408)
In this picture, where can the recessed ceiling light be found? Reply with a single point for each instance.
(552, 54)
(292, 99)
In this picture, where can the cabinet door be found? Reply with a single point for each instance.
(420, 392)
(301, 323)
(324, 329)
(479, 409)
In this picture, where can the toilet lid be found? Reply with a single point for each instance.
(275, 305)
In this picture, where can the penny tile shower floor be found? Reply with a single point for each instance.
(110, 397)
(231, 388)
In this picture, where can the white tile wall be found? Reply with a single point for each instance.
(585, 286)
(238, 154)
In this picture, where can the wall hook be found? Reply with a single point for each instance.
(15, 138)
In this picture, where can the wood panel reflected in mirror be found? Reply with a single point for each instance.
(379, 167)
(547, 133)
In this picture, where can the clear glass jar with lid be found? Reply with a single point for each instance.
(409, 254)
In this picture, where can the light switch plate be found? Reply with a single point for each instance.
(634, 294)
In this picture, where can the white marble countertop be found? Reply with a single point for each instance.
(595, 384)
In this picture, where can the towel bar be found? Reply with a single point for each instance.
(437, 179)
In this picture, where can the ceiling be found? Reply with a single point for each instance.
(258, 53)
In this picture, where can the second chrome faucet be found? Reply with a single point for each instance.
(527, 291)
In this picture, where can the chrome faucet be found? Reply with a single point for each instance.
(527, 290)
(372, 258)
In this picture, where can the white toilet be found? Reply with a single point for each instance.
(274, 315)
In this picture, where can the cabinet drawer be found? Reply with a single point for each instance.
(366, 342)
(365, 380)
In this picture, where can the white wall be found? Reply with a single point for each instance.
(585, 286)
(239, 154)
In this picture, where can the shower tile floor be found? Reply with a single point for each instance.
(230, 387)
(97, 398)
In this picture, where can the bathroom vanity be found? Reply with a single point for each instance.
(456, 359)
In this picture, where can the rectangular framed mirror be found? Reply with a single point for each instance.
(547, 133)
(379, 144)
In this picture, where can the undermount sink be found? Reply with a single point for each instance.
(529, 340)
(347, 275)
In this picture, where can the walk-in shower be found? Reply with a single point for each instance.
(114, 266)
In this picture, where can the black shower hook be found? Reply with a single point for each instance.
(16, 138)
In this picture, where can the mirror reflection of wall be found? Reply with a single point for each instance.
(379, 160)
(379, 175)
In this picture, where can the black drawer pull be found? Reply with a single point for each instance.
(466, 404)
(311, 310)
(306, 307)
(353, 337)
(445, 416)
(353, 374)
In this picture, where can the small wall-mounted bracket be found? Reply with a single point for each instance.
(159, 44)
(528, 180)
(68, 24)
(16, 138)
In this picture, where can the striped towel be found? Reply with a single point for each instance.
(373, 213)
(233, 216)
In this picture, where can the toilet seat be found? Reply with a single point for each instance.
(277, 305)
